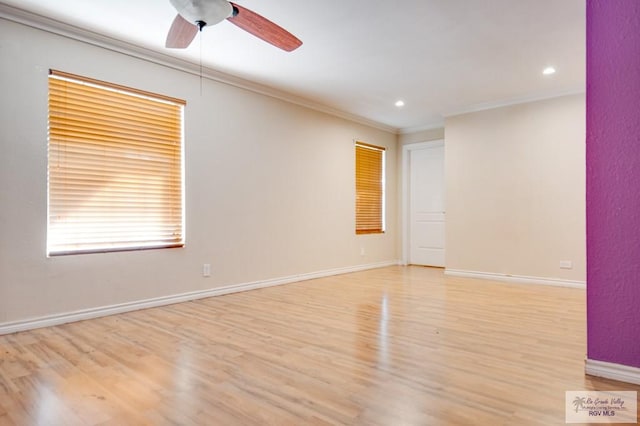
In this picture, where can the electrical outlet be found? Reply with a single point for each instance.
(566, 264)
(361, 251)
(206, 270)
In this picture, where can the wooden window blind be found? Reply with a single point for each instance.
(369, 189)
(115, 167)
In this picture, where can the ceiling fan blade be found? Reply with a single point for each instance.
(181, 33)
(263, 28)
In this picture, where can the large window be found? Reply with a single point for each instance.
(369, 189)
(115, 174)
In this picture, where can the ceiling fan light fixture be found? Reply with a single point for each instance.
(210, 12)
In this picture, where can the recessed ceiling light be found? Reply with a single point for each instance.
(549, 71)
(400, 103)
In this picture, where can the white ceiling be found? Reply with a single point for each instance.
(441, 57)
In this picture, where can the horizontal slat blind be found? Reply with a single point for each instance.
(369, 189)
(115, 167)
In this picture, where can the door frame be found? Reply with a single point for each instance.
(405, 211)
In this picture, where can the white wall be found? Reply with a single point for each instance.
(269, 187)
(515, 189)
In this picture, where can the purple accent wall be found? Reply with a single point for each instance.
(613, 181)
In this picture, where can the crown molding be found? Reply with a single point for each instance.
(431, 126)
(513, 101)
(56, 27)
(490, 105)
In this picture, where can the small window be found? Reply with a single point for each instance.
(115, 173)
(369, 189)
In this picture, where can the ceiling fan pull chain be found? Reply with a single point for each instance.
(200, 40)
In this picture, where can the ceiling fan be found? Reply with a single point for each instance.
(194, 15)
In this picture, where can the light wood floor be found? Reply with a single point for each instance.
(392, 346)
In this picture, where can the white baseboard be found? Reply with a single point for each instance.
(84, 314)
(609, 370)
(515, 279)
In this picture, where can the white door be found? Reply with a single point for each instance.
(426, 205)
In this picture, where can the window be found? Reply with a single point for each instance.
(369, 189)
(115, 167)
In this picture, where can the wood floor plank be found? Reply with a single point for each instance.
(391, 346)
